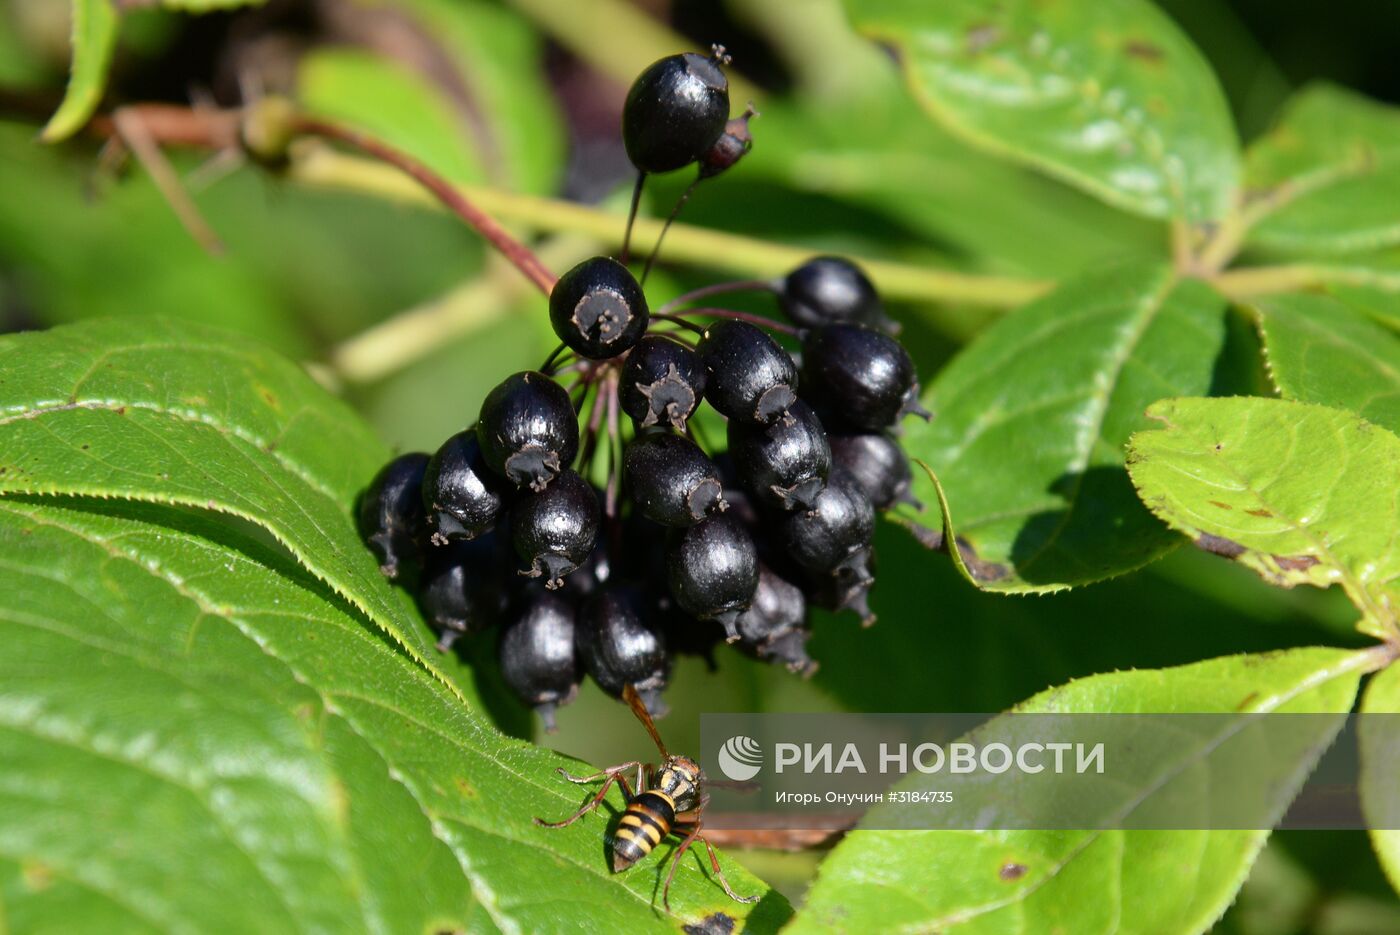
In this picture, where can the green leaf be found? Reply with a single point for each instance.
(198, 736)
(1123, 881)
(179, 414)
(1109, 96)
(95, 24)
(1328, 177)
(1300, 493)
(1380, 763)
(1321, 350)
(1031, 418)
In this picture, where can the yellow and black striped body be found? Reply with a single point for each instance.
(646, 821)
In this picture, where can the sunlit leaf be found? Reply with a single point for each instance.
(1327, 178)
(1301, 493)
(1109, 96)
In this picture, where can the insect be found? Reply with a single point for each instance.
(669, 799)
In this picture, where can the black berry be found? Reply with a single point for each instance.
(662, 382)
(675, 111)
(878, 464)
(829, 290)
(391, 514)
(841, 523)
(463, 497)
(712, 569)
(463, 587)
(528, 430)
(862, 376)
(553, 530)
(537, 655)
(619, 646)
(750, 377)
(598, 309)
(671, 481)
(784, 464)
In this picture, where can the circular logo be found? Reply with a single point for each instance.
(740, 758)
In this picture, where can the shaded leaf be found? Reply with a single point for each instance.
(1321, 350)
(95, 25)
(180, 414)
(303, 266)
(1109, 96)
(1380, 763)
(1327, 178)
(1300, 493)
(1030, 421)
(1047, 881)
(189, 717)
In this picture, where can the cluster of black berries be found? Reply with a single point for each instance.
(675, 549)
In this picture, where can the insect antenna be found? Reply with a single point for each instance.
(634, 701)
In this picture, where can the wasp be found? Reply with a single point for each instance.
(670, 799)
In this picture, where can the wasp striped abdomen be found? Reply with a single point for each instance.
(646, 821)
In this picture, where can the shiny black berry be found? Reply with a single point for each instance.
(751, 378)
(554, 530)
(528, 430)
(391, 514)
(878, 464)
(829, 290)
(671, 481)
(463, 497)
(784, 464)
(619, 646)
(675, 111)
(841, 523)
(463, 588)
(733, 144)
(598, 309)
(537, 654)
(712, 569)
(661, 383)
(865, 378)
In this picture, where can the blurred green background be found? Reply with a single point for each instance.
(400, 309)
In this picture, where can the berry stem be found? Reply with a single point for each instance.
(626, 252)
(447, 193)
(719, 288)
(554, 355)
(614, 447)
(670, 219)
(678, 320)
(759, 320)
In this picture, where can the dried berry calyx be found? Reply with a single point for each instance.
(662, 382)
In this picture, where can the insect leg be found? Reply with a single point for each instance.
(613, 774)
(714, 863)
